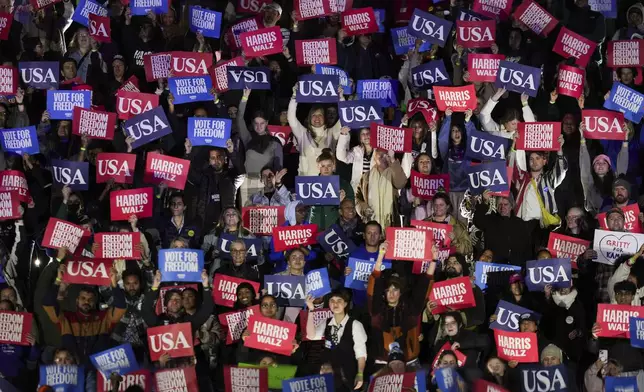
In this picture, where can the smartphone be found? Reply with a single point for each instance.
(603, 355)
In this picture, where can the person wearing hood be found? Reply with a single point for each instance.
(625, 272)
(296, 213)
(237, 266)
(635, 24)
(567, 328)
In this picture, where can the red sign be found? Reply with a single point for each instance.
(359, 21)
(128, 202)
(440, 231)
(38, 4)
(15, 327)
(141, 378)
(565, 247)
(535, 17)
(625, 53)
(174, 339)
(262, 42)
(60, 233)
(14, 180)
(270, 335)
(516, 346)
(225, 289)
(179, 379)
(483, 67)
(614, 320)
(480, 385)
(390, 138)
(280, 132)
(131, 84)
(452, 294)
(236, 322)
(539, 136)
(8, 80)
(93, 123)
(320, 316)
(310, 9)
(263, 220)
(233, 34)
(129, 104)
(219, 75)
(118, 245)
(475, 34)
(99, 28)
(631, 219)
(407, 243)
(9, 205)
(160, 307)
(167, 169)
(570, 81)
(289, 237)
(237, 379)
(93, 272)
(425, 186)
(156, 66)
(421, 105)
(603, 124)
(251, 6)
(316, 51)
(190, 63)
(393, 382)
(119, 166)
(493, 8)
(5, 25)
(571, 44)
(459, 99)
(460, 357)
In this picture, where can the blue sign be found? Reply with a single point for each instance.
(180, 265)
(289, 290)
(482, 269)
(209, 131)
(61, 103)
(626, 100)
(470, 16)
(147, 126)
(315, 383)
(608, 8)
(318, 190)
(360, 114)
(542, 378)
(447, 379)
(620, 384)
(432, 73)
(65, 378)
(637, 332)
(421, 380)
(318, 89)
(492, 176)
(141, 7)
(119, 359)
(41, 75)
(483, 146)
(205, 21)
(253, 246)
(71, 173)
(333, 240)
(20, 140)
(508, 316)
(190, 89)
(380, 19)
(384, 90)
(86, 7)
(317, 283)
(360, 273)
(430, 28)
(254, 78)
(540, 273)
(403, 42)
(346, 84)
(518, 78)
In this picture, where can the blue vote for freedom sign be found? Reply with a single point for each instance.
(41, 75)
(71, 173)
(492, 176)
(404, 42)
(318, 190)
(317, 283)
(209, 131)
(67, 378)
(181, 265)
(205, 21)
(360, 114)
(346, 84)
(141, 7)
(360, 272)
(508, 316)
(620, 384)
(20, 140)
(384, 90)
(254, 78)
(147, 126)
(626, 100)
(637, 332)
(190, 89)
(119, 359)
(315, 383)
(483, 269)
(86, 7)
(555, 272)
(315, 88)
(61, 103)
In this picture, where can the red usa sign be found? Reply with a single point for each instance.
(129, 104)
(60, 233)
(571, 44)
(190, 63)
(603, 124)
(289, 237)
(95, 272)
(118, 245)
(157, 66)
(263, 220)
(128, 202)
(5, 25)
(93, 123)
(281, 132)
(99, 28)
(452, 293)
(421, 105)
(390, 138)
(483, 67)
(262, 42)
(174, 339)
(219, 74)
(631, 219)
(251, 6)
(165, 168)
(625, 53)
(475, 34)
(119, 166)
(359, 21)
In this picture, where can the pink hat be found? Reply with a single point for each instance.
(514, 278)
(604, 157)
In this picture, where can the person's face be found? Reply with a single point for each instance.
(259, 125)
(511, 125)
(167, 19)
(615, 222)
(217, 159)
(620, 194)
(174, 303)
(238, 254)
(528, 326)
(564, 290)
(145, 32)
(9, 295)
(610, 370)
(296, 261)
(364, 40)
(39, 50)
(393, 295)
(626, 76)
(69, 70)
(63, 129)
(568, 124)
(487, 256)
(372, 235)
(3, 116)
(623, 297)
(268, 179)
(453, 268)
(447, 361)
(85, 301)
(245, 296)
(514, 40)
(317, 118)
(440, 207)
(132, 285)
(601, 167)
(232, 112)
(189, 300)
(365, 136)
(268, 307)
(635, 18)
(456, 135)
(479, 104)
(348, 210)
(424, 164)
(331, 116)
(283, 117)
(201, 113)
(537, 162)
(266, 362)
(581, 3)
(418, 128)
(5, 6)
(230, 218)
(326, 167)
(270, 17)
(397, 367)
(119, 68)
(5, 307)
(301, 212)
(550, 360)
(274, 66)
(504, 207)
(495, 366)
(337, 305)
(177, 206)
(82, 38)
(516, 288)
(451, 326)
(63, 357)
(573, 217)
(178, 245)
(543, 255)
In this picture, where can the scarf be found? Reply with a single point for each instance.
(318, 134)
(381, 196)
(564, 301)
(260, 143)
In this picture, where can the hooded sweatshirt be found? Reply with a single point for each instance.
(631, 32)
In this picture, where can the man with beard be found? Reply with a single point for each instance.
(274, 192)
(621, 196)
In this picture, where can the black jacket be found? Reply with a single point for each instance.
(509, 238)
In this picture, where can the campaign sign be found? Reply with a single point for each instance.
(313, 88)
(483, 146)
(86, 7)
(167, 169)
(492, 176)
(315, 383)
(99, 28)
(316, 51)
(245, 379)
(620, 384)
(20, 140)
(555, 272)
(608, 8)
(570, 81)
(251, 6)
(129, 104)
(518, 78)
(317, 283)
(360, 272)
(422, 106)
(404, 42)
(250, 24)
(60, 233)
(626, 100)
(262, 42)
(61, 103)
(482, 269)
(41, 75)
(94, 272)
(190, 89)
(6, 20)
(224, 291)
(289, 290)
(318, 190)
(459, 99)
(431, 73)
(71, 173)
(128, 202)
(570, 44)
(253, 246)
(181, 265)
(93, 123)
(209, 131)
(335, 241)
(171, 380)
(359, 114)
(628, 53)
(15, 327)
(14, 180)
(425, 186)
(157, 66)
(483, 67)
(460, 357)
(493, 8)
(563, 246)
(131, 84)
(475, 34)
(236, 322)
(545, 378)
(614, 320)
(631, 219)
(611, 245)
(429, 28)
(254, 78)
(174, 339)
(393, 382)
(205, 21)
(384, 90)
(67, 378)
(535, 17)
(359, 21)
(390, 138)
(508, 316)
(516, 346)
(320, 316)
(539, 136)
(190, 63)
(117, 166)
(118, 245)
(141, 378)
(147, 126)
(10, 205)
(407, 243)
(119, 359)
(270, 335)
(310, 9)
(603, 124)
(141, 7)
(262, 220)
(347, 85)
(447, 379)
(454, 293)
(636, 331)
(481, 385)
(440, 232)
(289, 237)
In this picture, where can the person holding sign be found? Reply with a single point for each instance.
(296, 214)
(82, 52)
(624, 272)
(359, 157)
(326, 215)
(442, 209)
(14, 358)
(471, 344)
(413, 206)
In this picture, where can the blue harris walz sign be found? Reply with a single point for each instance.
(318, 190)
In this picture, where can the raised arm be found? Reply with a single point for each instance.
(244, 134)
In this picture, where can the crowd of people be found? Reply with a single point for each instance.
(378, 316)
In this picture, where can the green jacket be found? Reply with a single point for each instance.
(325, 216)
